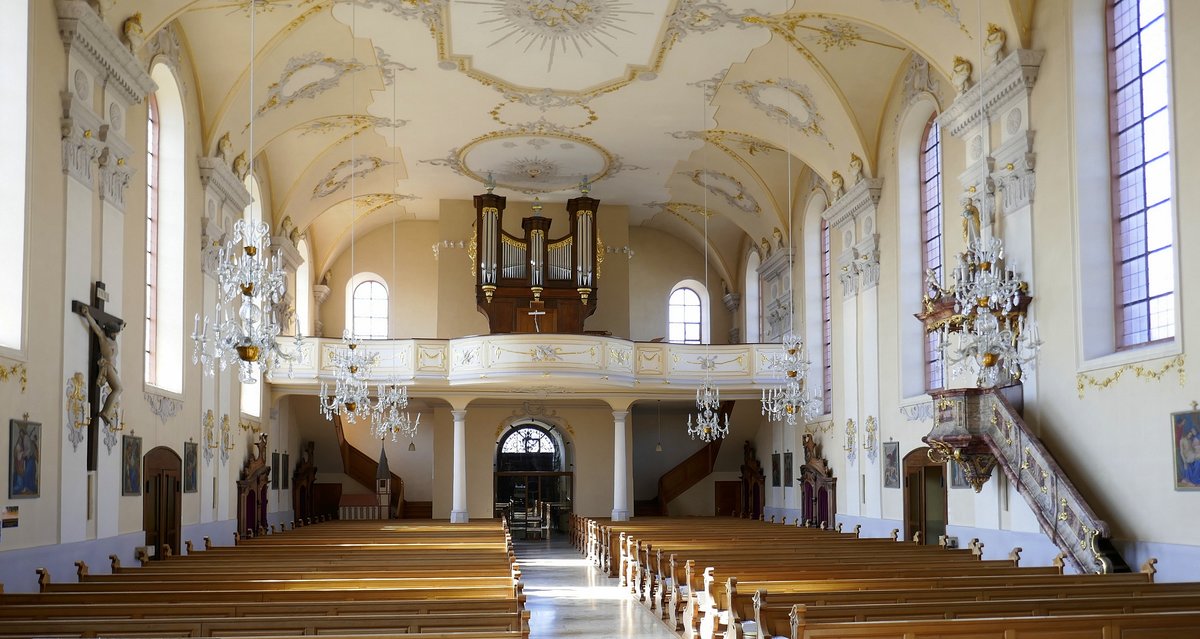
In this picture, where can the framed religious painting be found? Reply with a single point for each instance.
(190, 450)
(275, 470)
(24, 459)
(131, 466)
(283, 471)
(775, 470)
(891, 464)
(787, 469)
(957, 478)
(1185, 433)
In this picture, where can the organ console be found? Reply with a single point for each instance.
(535, 283)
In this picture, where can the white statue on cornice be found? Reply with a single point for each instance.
(223, 148)
(856, 168)
(837, 186)
(993, 46)
(961, 76)
(134, 35)
(240, 168)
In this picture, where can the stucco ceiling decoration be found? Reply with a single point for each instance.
(726, 140)
(711, 85)
(520, 113)
(947, 8)
(356, 124)
(567, 45)
(681, 208)
(340, 175)
(388, 67)
(245, 6)
(305, 77)
(726, 187)
(539, 163)
(787, 101)
(372, 202)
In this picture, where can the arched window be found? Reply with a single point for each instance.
(752, 298)
(529, 439)
(931, 236)
(369, 309)
(253, 213)
(14, 94)
(1143, 219)
(530, 447)
(303, 292)
(687, 313)
(165, 197)
(826, 323)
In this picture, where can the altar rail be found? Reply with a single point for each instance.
(571, 361)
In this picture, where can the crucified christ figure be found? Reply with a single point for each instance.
(106, 368)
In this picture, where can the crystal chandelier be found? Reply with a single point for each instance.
(244, 273)
(792, 399)
(254, 285)
(708, 425)
(995, 342)
(389, 415)
(351, 370)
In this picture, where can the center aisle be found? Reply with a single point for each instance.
(568, 597)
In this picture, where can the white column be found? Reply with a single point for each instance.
(620, 468)
(458, 508)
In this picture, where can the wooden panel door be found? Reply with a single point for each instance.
(161, 512)
(925, 502)
(727, 497)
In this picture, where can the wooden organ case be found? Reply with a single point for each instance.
(534, 283)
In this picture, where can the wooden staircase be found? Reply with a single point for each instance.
(679, 479)
(361, 467)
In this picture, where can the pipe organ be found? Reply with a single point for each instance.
(535, 283)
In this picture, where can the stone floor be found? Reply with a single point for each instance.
(568, 597)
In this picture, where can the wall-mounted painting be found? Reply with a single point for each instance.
(775, 469)
(283, 471)
(190, 450)
(131, 465)
(24, 459)
(957, 478)
(891, 464)
(787, 470)
(1185, 432)
(275, 470)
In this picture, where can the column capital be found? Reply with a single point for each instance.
(459, 415)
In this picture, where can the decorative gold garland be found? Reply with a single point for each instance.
(1084, 380)
(16, 370)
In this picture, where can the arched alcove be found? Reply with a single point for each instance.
(534, 483)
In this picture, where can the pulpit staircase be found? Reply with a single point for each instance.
(982, 429)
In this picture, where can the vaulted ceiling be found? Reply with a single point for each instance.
(674, 108)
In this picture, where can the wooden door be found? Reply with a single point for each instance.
(925, 503)
(727, 497)
(161, 513)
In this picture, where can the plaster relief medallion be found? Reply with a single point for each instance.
(868, 226)
(569, 45)
(524, 114)
(305, 77)
(534, 163)
(848, 238)
(727, 187)
(1013, 121)
(83, 86)
(114, 117)
(787, 101)
(339, 176)
(976, 147)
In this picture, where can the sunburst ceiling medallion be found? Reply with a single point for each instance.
(567, 45)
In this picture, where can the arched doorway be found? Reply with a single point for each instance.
(533, 488)
(924, 497)
(161, 515)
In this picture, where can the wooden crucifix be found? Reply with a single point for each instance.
(102, 370)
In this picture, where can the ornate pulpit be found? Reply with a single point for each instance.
(535, 283)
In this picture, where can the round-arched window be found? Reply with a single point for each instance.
(529, 447)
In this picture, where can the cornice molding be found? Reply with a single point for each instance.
(216, 176)
(84, 32)
(1010, 80)
(859, 198)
